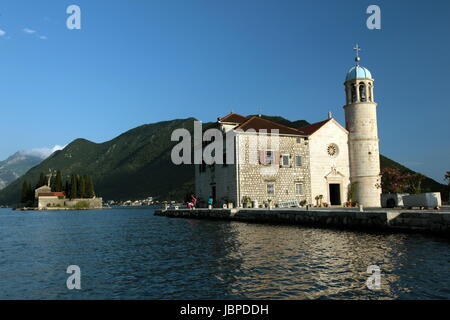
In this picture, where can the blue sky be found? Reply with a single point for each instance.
(141, 61)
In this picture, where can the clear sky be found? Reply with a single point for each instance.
(142, 61)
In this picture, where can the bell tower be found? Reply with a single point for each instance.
(361, 123)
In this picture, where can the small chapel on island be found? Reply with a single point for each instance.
(324, 163)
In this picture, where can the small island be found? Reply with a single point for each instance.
(76, 194)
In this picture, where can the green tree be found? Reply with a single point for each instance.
(395, 181)
(58, 185)
(73, 187)
(392, 181)
(352, 192)
(67, 188)
(42, 181)
(414, 182)
(89, 187)
(27, 195)
(81, 186)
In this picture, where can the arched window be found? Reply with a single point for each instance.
(362, 92)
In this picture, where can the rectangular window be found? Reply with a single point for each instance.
(299, 189)
(298, 161)
(285, 160)
(299, 140)
(270, 157)
(270, 189)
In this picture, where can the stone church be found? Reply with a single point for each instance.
(324, 161)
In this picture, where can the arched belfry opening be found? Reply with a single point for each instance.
(353, 93)
(362, 92)
(359, 91)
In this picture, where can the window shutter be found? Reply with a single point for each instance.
(277, 156)
(298, 161)
(262, 157)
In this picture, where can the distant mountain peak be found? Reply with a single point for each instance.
(22, 161)
(42, 153)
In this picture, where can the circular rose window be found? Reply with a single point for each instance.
(332, 150)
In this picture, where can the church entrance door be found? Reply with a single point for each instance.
(335, 194)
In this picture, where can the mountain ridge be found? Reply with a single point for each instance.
(137, 164)
(15, 166)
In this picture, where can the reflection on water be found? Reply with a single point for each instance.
(131, 254)
(309, 263)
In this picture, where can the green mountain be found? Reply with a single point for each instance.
(137, 164)
(134, 165)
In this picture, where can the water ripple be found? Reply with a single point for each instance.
(132, 254)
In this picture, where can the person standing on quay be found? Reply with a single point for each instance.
(193, 201)
(210, 202)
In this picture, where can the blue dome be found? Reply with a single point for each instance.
(358, 72)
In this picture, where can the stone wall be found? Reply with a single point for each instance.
(55, 202)
(44, 202)
(253, 176)
(361, 119)
(94, 203)
(249, 178)
(396, 221)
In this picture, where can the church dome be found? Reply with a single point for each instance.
(358, 72)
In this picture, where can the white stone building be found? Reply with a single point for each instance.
(319, 163)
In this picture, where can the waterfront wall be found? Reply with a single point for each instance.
(94, 203)
(45, 203)
(400, 221)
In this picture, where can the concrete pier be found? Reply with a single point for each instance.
(431, 222)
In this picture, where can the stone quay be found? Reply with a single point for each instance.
(419, 221)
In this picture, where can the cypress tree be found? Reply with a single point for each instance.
(89, 187)
(82, 187)
(27, 195)
(93, 187)
(42, 181)
(67, 188)
(85, 183)
(73, 187)
(78, 181)
(58, 182)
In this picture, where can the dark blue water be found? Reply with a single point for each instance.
(132, 254)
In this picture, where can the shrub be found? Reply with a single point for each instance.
(81, 205)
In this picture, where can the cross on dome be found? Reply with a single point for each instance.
(357, 48)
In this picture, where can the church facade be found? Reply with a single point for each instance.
(323, 163)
